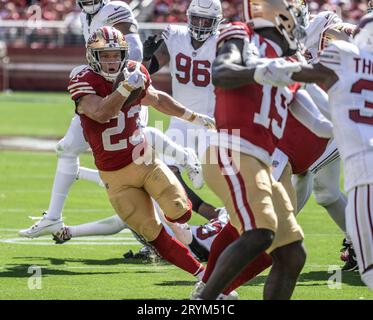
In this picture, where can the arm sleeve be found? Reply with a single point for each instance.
(320, 97)
(305, 111)
(135, 46)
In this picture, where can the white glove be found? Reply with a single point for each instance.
(275, 72)
(204, 121)
(135, 79)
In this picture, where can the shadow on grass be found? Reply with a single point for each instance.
(22, 271)
(308, 279)
(90, 262)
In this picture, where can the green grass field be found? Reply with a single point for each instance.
(93, 268)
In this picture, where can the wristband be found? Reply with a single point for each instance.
(189, 115)
(123, 91)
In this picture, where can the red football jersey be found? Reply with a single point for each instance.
(301, 145)
(259, 112)
(112, 143)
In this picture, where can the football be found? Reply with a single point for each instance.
(134, 94)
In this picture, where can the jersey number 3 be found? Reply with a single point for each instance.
(200, 70)
(364, 115)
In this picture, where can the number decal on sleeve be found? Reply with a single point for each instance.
(198, 70)
(364, 115)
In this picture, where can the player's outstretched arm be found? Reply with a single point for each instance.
(316, 73)
(133, 39)
(166, 104)
(228, 69)
(305, 110)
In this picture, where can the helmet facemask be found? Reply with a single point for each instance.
(107, 39)
(90, 6)
(202, 27)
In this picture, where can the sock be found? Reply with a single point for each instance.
(259, 264)
(164, 146)
(67, 169)
(90, 175)
(337, 210)
(226, 236)
(102, 227)
(176, 253)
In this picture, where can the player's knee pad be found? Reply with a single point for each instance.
(69, 148)
(185, 217)
(325, 192)
(68, 165)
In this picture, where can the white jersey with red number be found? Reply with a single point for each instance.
(206, 234)
(110, 14)
(351, 108)
(191, 69)
(252, 117)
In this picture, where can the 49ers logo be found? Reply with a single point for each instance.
(197, 70)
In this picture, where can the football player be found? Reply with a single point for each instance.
(189, 51)
(95, 14)
(126, 164)
(251, 119)
(323, 175)
(345, 70)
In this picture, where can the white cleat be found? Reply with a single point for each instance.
(41, 228)
(182, 232)
(199, 286)
(194, 169)
(197, 290)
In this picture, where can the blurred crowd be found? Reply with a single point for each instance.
(167, 11)
(164, 10)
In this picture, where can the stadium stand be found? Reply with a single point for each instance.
(36, 32)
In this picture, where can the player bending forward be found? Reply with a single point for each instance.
(96, 14)
(110, 121)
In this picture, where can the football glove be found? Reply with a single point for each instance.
(150, 46)
(134, 79)
(275, 72)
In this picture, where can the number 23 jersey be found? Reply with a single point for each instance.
(113, 142)
(191, 69)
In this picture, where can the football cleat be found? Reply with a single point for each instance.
(182, 232)
(199, 286)
(41, 228)
(62, 235)
(194, 169)
(349, 257)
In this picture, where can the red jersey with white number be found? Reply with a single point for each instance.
(112, 143)
(255, 113)
(191, 69)
(301, 145)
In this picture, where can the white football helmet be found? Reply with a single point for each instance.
(204, 17)
(363, 35)
(91, 6)
(286, 16)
